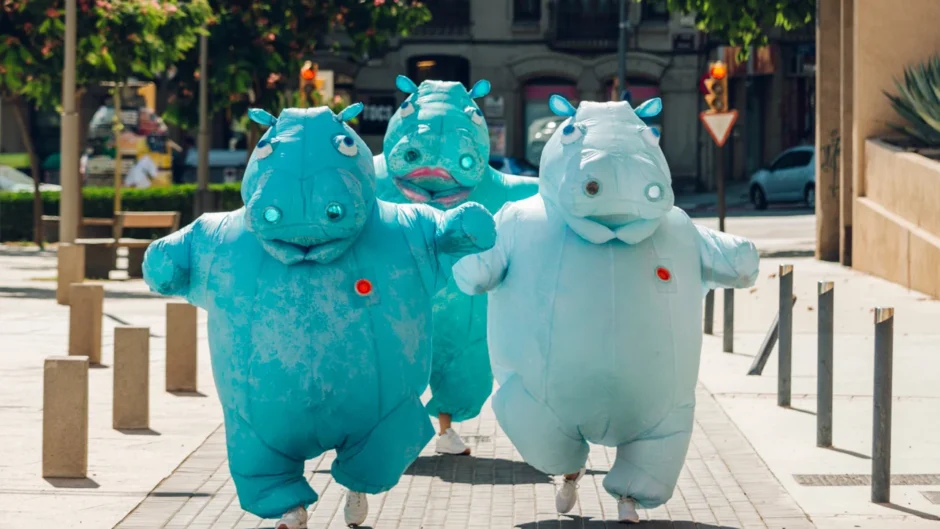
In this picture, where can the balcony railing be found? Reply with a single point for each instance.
(585, 25)
(448, 18)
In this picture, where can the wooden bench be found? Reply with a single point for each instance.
(101, 253)
(91, 228)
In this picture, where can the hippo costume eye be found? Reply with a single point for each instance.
(654, 192)
(335, 211)
(592, 188)
(345, 145)
(272, 214)
(407, 108)
(467, 162)
(570, 133)
(476, 115)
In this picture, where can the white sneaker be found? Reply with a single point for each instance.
(626, 509)
(567, 495)
(357, 508)
(451, 443)
(295, 518)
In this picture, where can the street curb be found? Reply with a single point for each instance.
(786, 253)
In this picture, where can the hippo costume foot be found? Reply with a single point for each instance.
(319, 301)
(596, 289)
(436, 152)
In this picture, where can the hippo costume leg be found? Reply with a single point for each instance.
(542, 440)
(461, 383)
(375, 463)
(268, 482)
(647, 468)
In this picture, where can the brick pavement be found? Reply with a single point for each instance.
(724, 484)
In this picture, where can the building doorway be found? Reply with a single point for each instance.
(439, 68)
(641, 91)
(539, 122)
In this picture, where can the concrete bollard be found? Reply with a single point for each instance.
(70, 269)
(65, 417)
(131, 403)
(728, 334)
(881, 420)
(709, 312)
(785, 335)
(824, 366)
(181, 344)
(86, 308)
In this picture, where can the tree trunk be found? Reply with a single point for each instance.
(34, 168)
(82, 140)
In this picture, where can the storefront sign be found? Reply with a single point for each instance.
(377, 111)
(497, 139)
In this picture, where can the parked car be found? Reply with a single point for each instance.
(790, 178)
(514, 166)
(14, 180)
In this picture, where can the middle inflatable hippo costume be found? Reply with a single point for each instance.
(436, 152)
(595, 307)
(319, 303)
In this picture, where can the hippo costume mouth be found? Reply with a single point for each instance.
(306, 248)
(432, 185)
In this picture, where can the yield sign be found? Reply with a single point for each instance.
(719, 124)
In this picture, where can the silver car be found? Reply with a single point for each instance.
(790, 178)
(18, 181)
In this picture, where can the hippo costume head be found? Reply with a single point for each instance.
(437, 147)
(309, 186)
(603, 169)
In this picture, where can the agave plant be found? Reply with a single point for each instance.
(918, 102)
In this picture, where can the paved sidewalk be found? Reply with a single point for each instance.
(724, 484)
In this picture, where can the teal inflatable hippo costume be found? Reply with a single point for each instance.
(436, 152)
(319, 303)
(595, 307)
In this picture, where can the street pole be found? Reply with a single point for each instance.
(68, 168)
(202, 171)
(622, 48)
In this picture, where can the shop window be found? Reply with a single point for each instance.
(527, 12)
(439, 68)
(540, 122)
(655, 11)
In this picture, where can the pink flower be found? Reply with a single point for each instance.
(370, 32)
(46, 48)
(27, 28)
(270, 37)
(378, 2)
(52, 12)
(170, 8)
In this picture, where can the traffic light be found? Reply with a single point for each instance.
(717, 86)
(309, 84)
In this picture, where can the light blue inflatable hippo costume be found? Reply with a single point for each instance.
(436, 152)
(595, 308)
(319, 302)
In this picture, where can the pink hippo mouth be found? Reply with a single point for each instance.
(432, 185)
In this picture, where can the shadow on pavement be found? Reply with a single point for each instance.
(473, 470)
(912, 512)
(142, 431)
(73, 483)
(49, 293)
(848, 452)
(586, 522)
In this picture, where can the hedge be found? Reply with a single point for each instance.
(16, 209)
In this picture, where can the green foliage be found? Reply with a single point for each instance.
(745, 23)
(256, 49)
(98, 202)
(918, 103)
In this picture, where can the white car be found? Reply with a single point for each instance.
(14, 180)
(790, 178)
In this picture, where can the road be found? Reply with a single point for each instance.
(776, 232)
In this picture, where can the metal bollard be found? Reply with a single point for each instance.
(728, 334)
(710, 312)
(881, 423)
(824, 364)
(785, 335)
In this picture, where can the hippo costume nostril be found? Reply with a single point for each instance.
(595, 327)
(319, 302)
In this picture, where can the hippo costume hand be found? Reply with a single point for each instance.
(595, 303)
(319, 301)
(436, 152)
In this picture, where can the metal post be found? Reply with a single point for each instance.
(824, 364)
(202, 170)
(881, 435)
(622, 47)
(68, 136)
(729, 320)
(785, 335)
(710, 312)
(721, 188)
(766, 347)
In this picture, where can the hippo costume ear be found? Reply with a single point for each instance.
(560, 106)
(480, 89)
(349, 112)
(406, 85)
(650, 108)
(261, 117)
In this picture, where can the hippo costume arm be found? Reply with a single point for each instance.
(482, 272)
(728, 261)
(177, 265)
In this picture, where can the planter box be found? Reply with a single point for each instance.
(896, 225)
